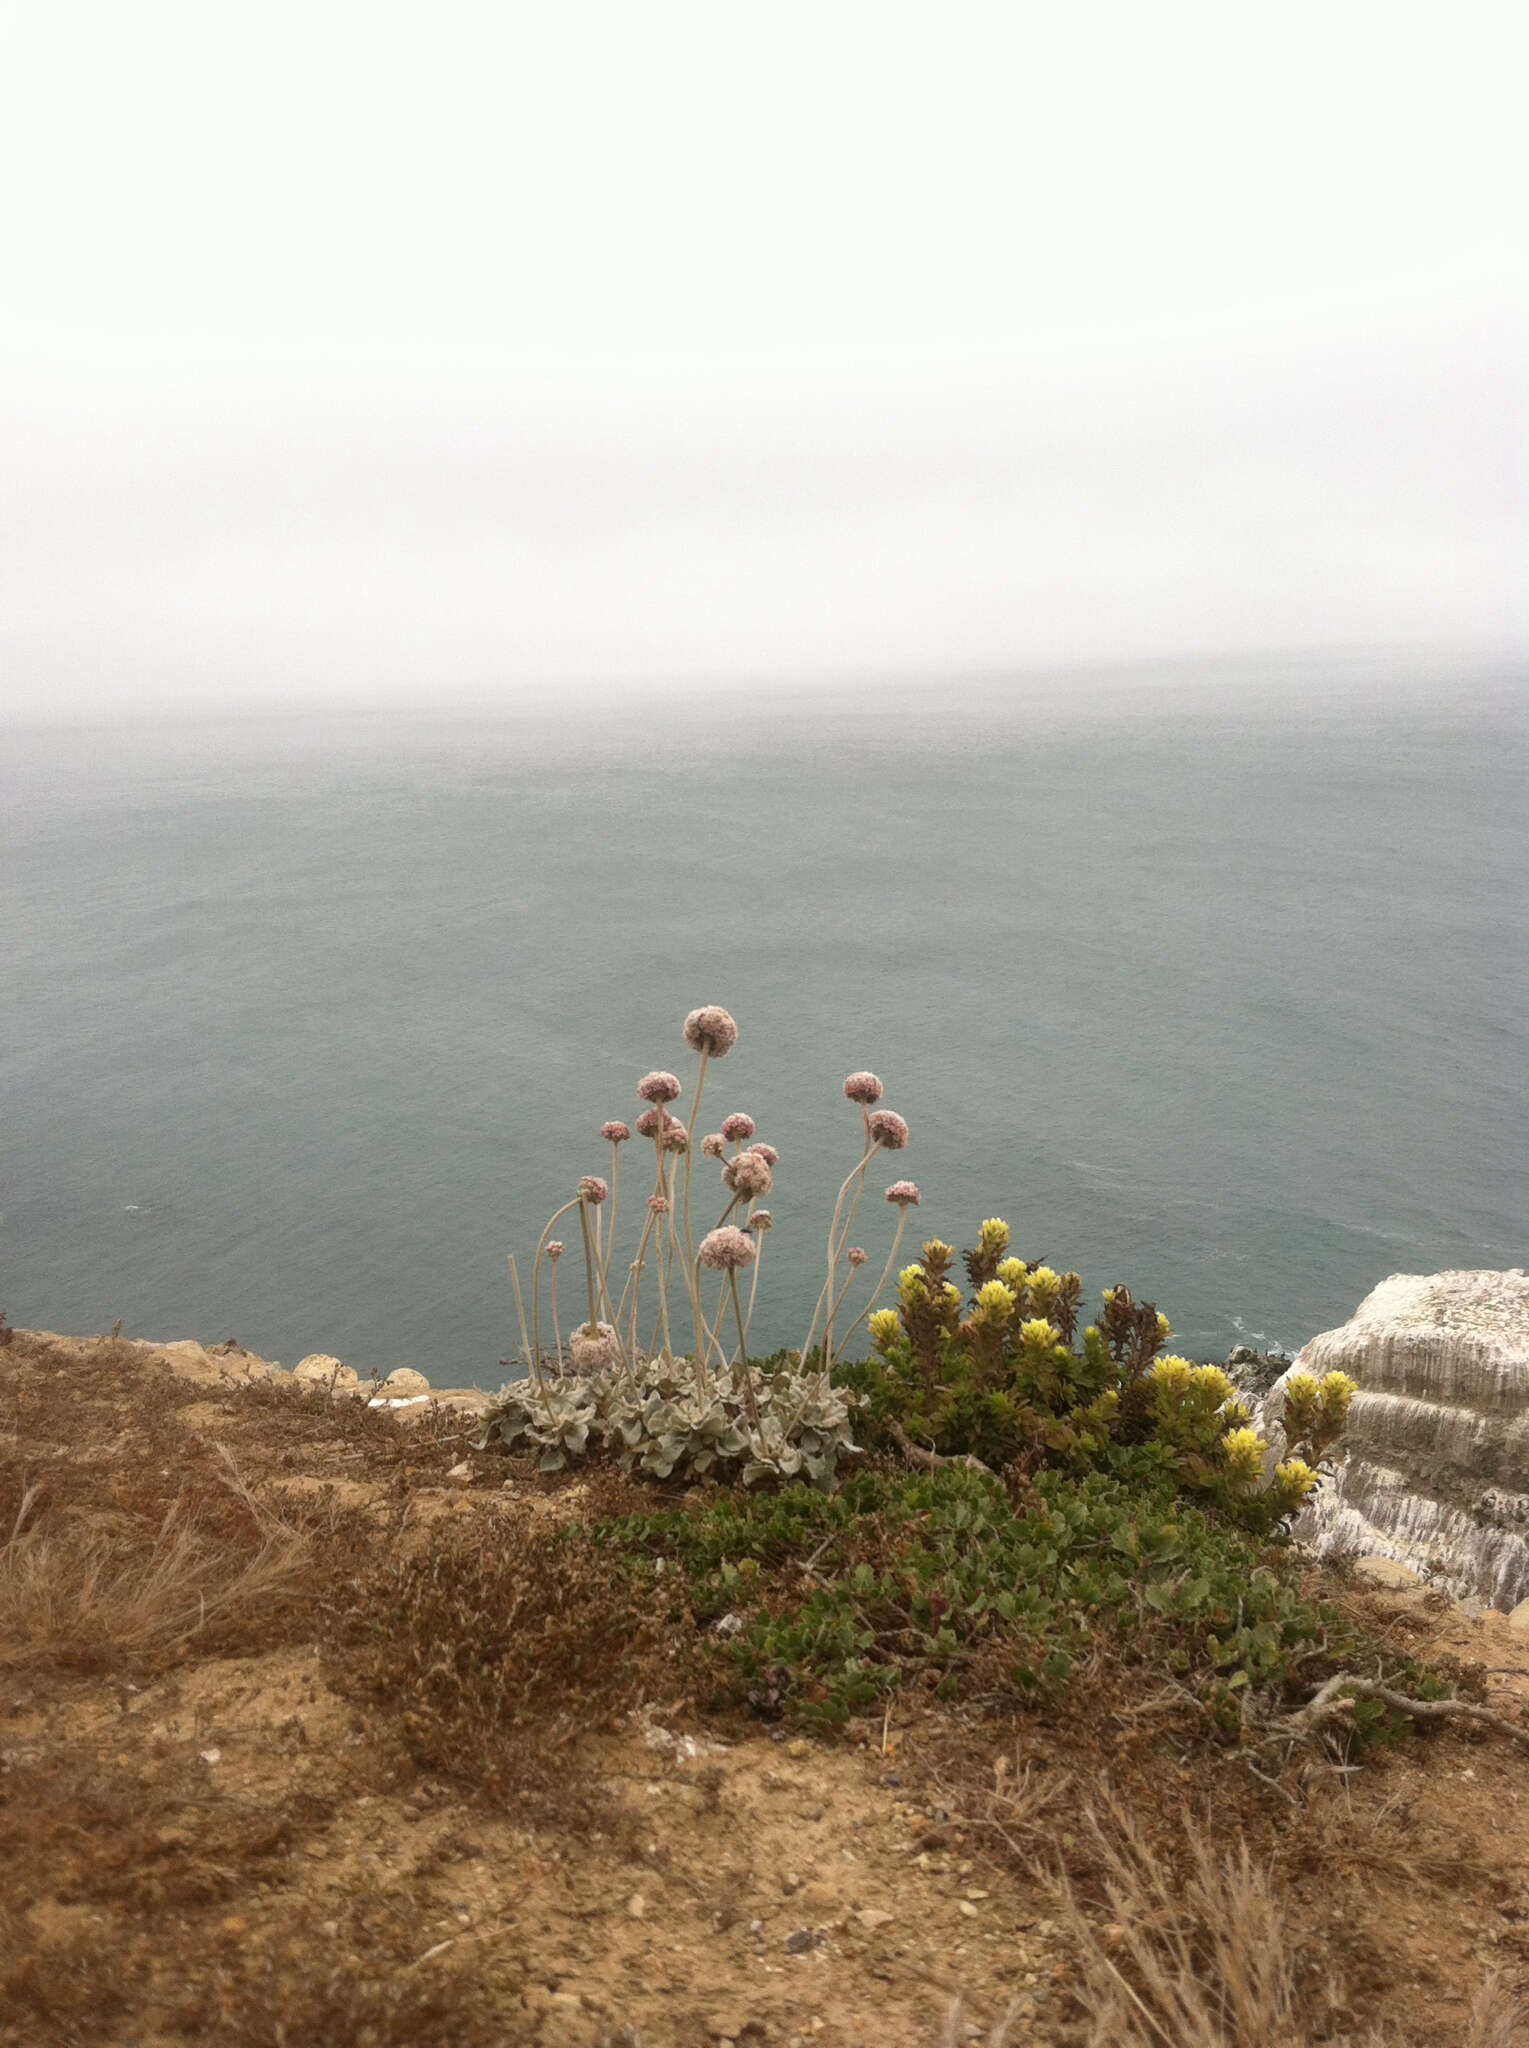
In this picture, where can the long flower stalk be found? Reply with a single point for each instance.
(536, 1277)
(695, 1293)
(897, 1238)
(746, 1384)
(857, 1171)
(589, 1265)
(525, 1335)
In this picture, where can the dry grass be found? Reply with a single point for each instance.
(492, 1662)
(92, 1588)
(1198, 1955)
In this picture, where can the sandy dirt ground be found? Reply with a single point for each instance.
(233, 1822)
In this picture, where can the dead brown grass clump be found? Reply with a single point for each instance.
(94, 1589)
(1198, 1954)
(493, 1660)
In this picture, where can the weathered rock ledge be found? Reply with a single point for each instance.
(1436, 1467)
(319, 1373)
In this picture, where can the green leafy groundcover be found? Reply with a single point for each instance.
(831, 1602)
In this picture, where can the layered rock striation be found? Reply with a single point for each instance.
(1435, 1471)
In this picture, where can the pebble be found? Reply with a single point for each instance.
(872, 1917)
(461, 1474)
(797, 1944)
(637, 1906)
(968, 1909)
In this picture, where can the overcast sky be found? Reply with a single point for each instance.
(383, 350)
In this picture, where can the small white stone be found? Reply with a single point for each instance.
(406, 1381)
(460, 1475)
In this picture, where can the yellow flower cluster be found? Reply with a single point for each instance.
(995, 1304)
(1012, 1273)
(885, 1326)
(1043, 1285)
(994, 1235)
(1038, 1331)
(1172, 1375)
(1295, 1478)
(1244, 1455)
(1210, 1379)
(1337, 1391)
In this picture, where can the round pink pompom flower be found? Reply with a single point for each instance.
(555, 1249)
(889, 1130)
(658, 1205)
(855, 1255)
(737, 1126)
(593, 1347)
(862, 1087)
(593, 1189)
(748, 1174)
(760, 1220)
(904, 1193)
(615, 1132)
(713, 1145)
(767, 1153)
(676, 1137)
(711, 1030)
(725, 1250)
(658, 1087)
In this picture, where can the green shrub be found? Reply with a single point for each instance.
(829, 1603)
(996, 1375)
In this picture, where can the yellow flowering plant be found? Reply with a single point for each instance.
(1005, 1376)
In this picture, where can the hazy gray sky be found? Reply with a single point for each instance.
(389, 349)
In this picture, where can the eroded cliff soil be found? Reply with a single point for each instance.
(213, 1833)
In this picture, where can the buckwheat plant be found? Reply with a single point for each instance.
(607, 1354)
(884, 1131)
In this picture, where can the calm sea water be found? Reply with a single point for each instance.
(1217, 984)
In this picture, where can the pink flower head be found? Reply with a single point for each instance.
(592, 1189)
(760, 1220)
(862, 1088)
(748, 1174)
(658, 1205)
(889, 1130)
(905, 1194)
(658, 1087)
(615, 1133)
(713, 1145)
(594, 1346)
(711, 1030)
(651, 1123)
(725, 1250)
(676, 1137)
(767, 1153)
(555, 1249)
(855, 1255)
(737, 1126)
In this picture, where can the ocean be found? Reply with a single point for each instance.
(1211, 980)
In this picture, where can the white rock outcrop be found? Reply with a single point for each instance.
(1435, 1466)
